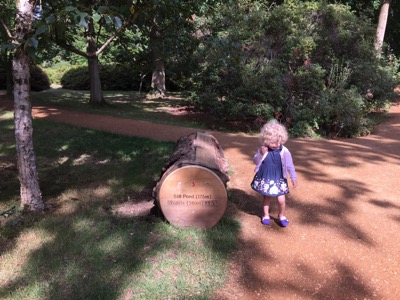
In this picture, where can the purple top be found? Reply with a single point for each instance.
(287, 162)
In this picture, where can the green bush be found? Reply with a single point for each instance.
(312, 64)
(341, 112)
(119, 77)
(39, 79)
(57, 71)
(113, 77)
(77, 78)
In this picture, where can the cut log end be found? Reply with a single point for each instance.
(191, 191)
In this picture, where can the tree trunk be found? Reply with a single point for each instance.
(31, 196)
(380, 31)
(156, 44)
(96, 92)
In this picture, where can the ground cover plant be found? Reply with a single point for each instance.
(86, 245)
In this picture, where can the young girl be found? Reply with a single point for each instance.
(274, 163)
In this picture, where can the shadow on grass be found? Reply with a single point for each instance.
(130, 105)
(89, 254)
(81, 249)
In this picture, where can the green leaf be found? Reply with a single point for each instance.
(117, 22)
(96, 17)
(41, 30)
(70, 8)
(83, 15)
(108, 19)
(33, 42)
(8, 47)
(102, 9)
(50, 19)
(83, 23)
(31, 52)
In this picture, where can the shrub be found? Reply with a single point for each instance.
(39, 79)
(113, 77)
(57, 71)
(77, 78)
(341, 112)
(119, 77)
(312, 64)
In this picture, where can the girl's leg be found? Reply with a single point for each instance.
(282, 206)
(282, 210)
(266, 202)
(265, 219)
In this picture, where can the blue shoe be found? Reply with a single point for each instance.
(265, 221)
(284, 222)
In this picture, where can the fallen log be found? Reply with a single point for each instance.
(191, 191)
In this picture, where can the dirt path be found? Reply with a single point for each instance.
(343, 241)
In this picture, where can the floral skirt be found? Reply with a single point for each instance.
(269, 187)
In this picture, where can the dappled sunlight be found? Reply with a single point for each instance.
(121, 101)
(13, 261)
(112, 243)
(63, 148)
(61, 160)
(71, 200)
(101, 191)
(82, 159)
(83, 224)
(6, 115)
(44, 112)
(343, 217)
(88, 193)
(133, 208)
(67, 203)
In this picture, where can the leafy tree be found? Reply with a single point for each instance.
(372, 10)
(171, 31)
(95, 23)
(309, 64)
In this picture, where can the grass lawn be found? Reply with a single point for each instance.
(82, 247)
(125, 104)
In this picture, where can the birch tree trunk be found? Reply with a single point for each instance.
(31, 196)
(380, 31)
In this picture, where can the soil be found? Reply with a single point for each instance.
(343, 239)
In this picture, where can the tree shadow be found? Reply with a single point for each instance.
(321, 165)
(83, 249)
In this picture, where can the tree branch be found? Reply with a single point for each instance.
(7, 30)
(123, 27)
(71, 48)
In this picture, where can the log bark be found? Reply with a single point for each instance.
(191, 191)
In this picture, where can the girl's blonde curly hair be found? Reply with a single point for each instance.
(273, 130)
